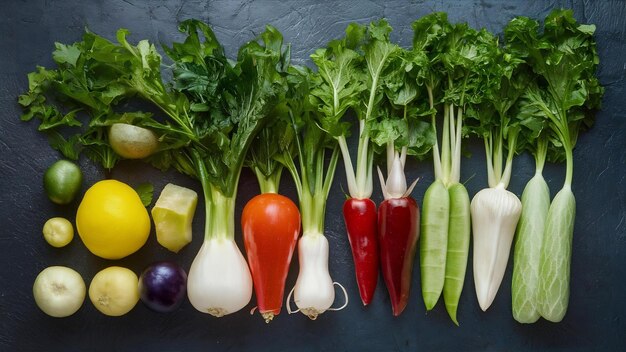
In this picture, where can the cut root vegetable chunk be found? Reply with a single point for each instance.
(172, 215)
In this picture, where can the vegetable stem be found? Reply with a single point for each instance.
(313, 203)
(445, 144)
(455, 176)
(491, 178)
(363, 168)
(347, 163)
(512, 143)
(569, 161)
(223, 213)
(269, 183)
(540, 154)
(436, 157)
(497, 155)
(219, 209)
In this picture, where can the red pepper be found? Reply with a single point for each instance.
(270, 224)
(360, 218)
(398, 230)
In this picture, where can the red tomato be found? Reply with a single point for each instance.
(270, 224)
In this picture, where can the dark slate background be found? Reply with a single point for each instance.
(595, 320)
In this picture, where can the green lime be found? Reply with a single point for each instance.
(62, 181)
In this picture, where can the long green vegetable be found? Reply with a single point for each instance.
(452, 78)
(528, 241)
(564, 57)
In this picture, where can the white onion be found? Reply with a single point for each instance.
(219, 280)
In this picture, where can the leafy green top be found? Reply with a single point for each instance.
(564, 58)
(214, 111)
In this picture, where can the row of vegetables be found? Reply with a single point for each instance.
(532, 90)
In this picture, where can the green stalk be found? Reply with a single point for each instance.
(497, 156)
(511, 145)
(560, 127)
(219, 209)
(363, 172)
(365, 155)
(222, 211)
(455, 174)
(541, 154)
(347, 163)
(269, 183)
(569, 162)
(313, 203)
(445, 144)
(491, 176)
(436, 156)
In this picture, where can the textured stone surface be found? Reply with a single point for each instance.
(597, 312)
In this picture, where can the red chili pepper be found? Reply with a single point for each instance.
(398, 231)
(360, 218)
(270, 224)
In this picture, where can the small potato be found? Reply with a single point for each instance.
(59, 291)
(114, 291)
(132, 142)
(58, 232)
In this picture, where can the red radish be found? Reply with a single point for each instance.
(271, 225)
(398, 231)
(353, 73)
(360, 218)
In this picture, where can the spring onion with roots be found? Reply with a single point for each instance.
(314, 292)
(211, 116)
(239, 99)
(564, 58)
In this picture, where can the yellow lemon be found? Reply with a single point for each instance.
(111, 220)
